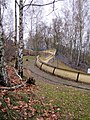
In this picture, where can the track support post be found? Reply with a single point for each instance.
(77, 76)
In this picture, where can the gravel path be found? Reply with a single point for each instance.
(37, 73)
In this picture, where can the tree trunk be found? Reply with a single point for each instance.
(3, 73)
(20, 55)
(78, 57)
(16, 61)
(15, 23)
(80, 30)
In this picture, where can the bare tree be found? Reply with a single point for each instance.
(21, 44)
(15, 22)
(3, 73)
(16, 61)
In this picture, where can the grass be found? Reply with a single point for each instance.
(60, 64)
(51, 50)
(46, 100)
(28, 57)
(66, 102)
(70, 102)
(46, 59)
(24, 97)
(26, 60)
(13, 99)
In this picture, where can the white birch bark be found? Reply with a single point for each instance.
(3, 73)
(16, 60)
(20, 54)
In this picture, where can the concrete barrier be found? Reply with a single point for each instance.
(47, 68)
(68, 74)
(84, 78)
(38, 63)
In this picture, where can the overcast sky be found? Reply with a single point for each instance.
(49, 13)
(47, 10)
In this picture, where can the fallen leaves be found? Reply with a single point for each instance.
(33, 108)
(25, 103)
(7, 101)
(3, 109)
(14, 78)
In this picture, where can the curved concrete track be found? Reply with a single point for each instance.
(36, 72)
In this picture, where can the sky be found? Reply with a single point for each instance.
(48, 13)
(47, 10)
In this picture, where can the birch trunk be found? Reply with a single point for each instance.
(20, 55)
(16, 62)
(15, 23)
(3, 73)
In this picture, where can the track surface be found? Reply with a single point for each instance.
(37, 73)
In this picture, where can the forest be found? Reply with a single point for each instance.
(68, 32)
(29, 28)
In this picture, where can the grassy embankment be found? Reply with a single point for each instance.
(45, 101)
(67, 102)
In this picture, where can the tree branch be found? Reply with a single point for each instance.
(29, 4)
(40, 5)
(24, 1)
(53, 4)
(51, 12)
(17, 2)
